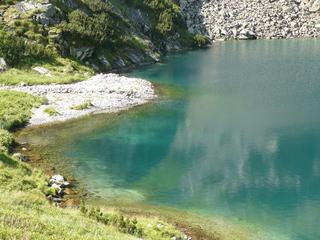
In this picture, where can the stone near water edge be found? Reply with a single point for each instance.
(55, 199)
(65, 184)
(57, 179)
(57, 188)
(247, 35)
(20, 157)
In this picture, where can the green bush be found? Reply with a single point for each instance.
(11, 48)
(200, 40)
(17, 50)
(124, 225)
(100, 28)
(99, 6)
(87, 104)
(165, 13)
(166, 21)
(6, 140)
(51, 111)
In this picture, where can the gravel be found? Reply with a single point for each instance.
(105, 92)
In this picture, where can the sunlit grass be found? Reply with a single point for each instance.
(62, 71)
(26, 214)
(15, 108)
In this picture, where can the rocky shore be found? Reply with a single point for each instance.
(253, 19)
(101, 93)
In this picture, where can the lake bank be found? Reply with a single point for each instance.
(100, 93)
(44, 149)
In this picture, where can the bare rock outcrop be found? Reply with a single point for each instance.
(253, 19)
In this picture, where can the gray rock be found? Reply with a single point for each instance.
(57, 188)
(42, 71)
(3, 65)
(271, 19)
(57, 179)
(82, 53)
(135, 58)
(58, 182)
(247, 35)
(20, 157)
(55, 199)
(140, 19)
(48, 12)
(104, 61)
(70, 3)
(120, 62)
(315, 6)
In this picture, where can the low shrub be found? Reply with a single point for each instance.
(18, 51)
(124, 225)
(51, 111)
(98, 28)
(6, 140)
(200, 40)
(87, 104)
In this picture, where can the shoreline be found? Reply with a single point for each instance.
(146, 210)
(102, 93)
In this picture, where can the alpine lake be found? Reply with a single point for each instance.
(234, 134)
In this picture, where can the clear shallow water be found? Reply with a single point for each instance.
(243, 141)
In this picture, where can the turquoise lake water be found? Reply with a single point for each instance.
(243, 140)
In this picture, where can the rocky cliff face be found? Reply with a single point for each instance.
(252, 19)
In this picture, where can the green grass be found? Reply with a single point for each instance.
(87, 104)
(15, 108)
(26, 214)
(6, 140)
(51, 111)
(62, 71)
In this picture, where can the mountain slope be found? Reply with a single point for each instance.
(71, 37)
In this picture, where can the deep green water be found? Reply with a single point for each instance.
(242, 140)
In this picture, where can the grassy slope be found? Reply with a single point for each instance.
(26, 214)
(47, 51)
(62, 70)
(15, 111)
